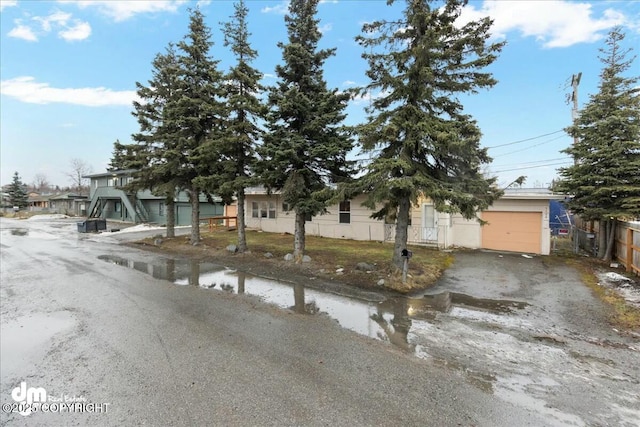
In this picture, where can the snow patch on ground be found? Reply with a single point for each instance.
(139, 227)
(624, 286)
(47, 217)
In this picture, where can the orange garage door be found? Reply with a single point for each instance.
(512, 231)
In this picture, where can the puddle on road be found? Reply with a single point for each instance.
(389, 320)
(395, 320)
(24, 339)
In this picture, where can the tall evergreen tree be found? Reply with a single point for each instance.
(605, 179)
(198, 115)
(242, 91)
(154, 154)
(305, 148)
(126, 156)
(18, 193)
(420, 140)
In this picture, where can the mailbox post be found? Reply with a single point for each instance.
(406, 255)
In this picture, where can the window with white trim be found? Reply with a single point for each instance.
(344, 212)
(263, 210)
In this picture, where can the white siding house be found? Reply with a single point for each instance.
(517, 222)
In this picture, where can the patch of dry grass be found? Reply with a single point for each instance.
(622, 315)
(327, 255)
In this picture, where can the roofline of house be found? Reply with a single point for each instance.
(113, 173)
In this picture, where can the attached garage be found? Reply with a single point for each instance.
(517, 222)
(512, 231)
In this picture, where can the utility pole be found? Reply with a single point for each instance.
(575, 81)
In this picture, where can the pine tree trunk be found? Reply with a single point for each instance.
(195, 217)
(171, 217)
(602, 237)
(611, 239)
(402, 224)
(242, 235)
(298, 238)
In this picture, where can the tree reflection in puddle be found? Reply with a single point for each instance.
(390, 320)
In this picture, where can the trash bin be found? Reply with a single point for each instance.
(101, 224)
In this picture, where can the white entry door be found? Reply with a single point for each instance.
(429, 223)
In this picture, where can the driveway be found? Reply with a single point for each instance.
(542, 342)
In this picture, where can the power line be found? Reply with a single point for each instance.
(534, 162)
(532, 167)
(533, 146)
(525, 140)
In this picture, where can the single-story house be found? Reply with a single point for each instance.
(109, 201)
(69, 204)
(38, 202)
(518, 222)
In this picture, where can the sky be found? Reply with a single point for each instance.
(68, 72)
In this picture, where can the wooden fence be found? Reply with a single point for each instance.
(628, 246)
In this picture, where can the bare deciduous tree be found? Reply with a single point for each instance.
(41, 183)
(79, 168)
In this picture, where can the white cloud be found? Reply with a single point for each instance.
(7, 3)
(121, 10)
(325, 28)
(56, 18)
(368, 96)
(281, 8)
(68, 29)
(348, 83)
(23, 32)
(26, 89)
(80, 31)
(554, 23)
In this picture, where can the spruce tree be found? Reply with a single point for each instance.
(125, 157)
(154, 154)
(197, 117)
(18, 193)
(237, 146)
(605, 179)
(420, 140)
(304, 150)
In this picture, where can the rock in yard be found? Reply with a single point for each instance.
(380, 282)
(363, 266)
(268, 255)
(306, 258)
(232, 248)
(288, 257)
(157, 242)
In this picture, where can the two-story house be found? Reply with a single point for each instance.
(108, 200)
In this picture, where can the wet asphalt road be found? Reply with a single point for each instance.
(151, 353)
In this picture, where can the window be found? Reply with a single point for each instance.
(263, 210)
(286, 207)
(345, 212)
(118, 206)
(161, 209)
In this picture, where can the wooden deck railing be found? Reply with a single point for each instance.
(226, 221)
